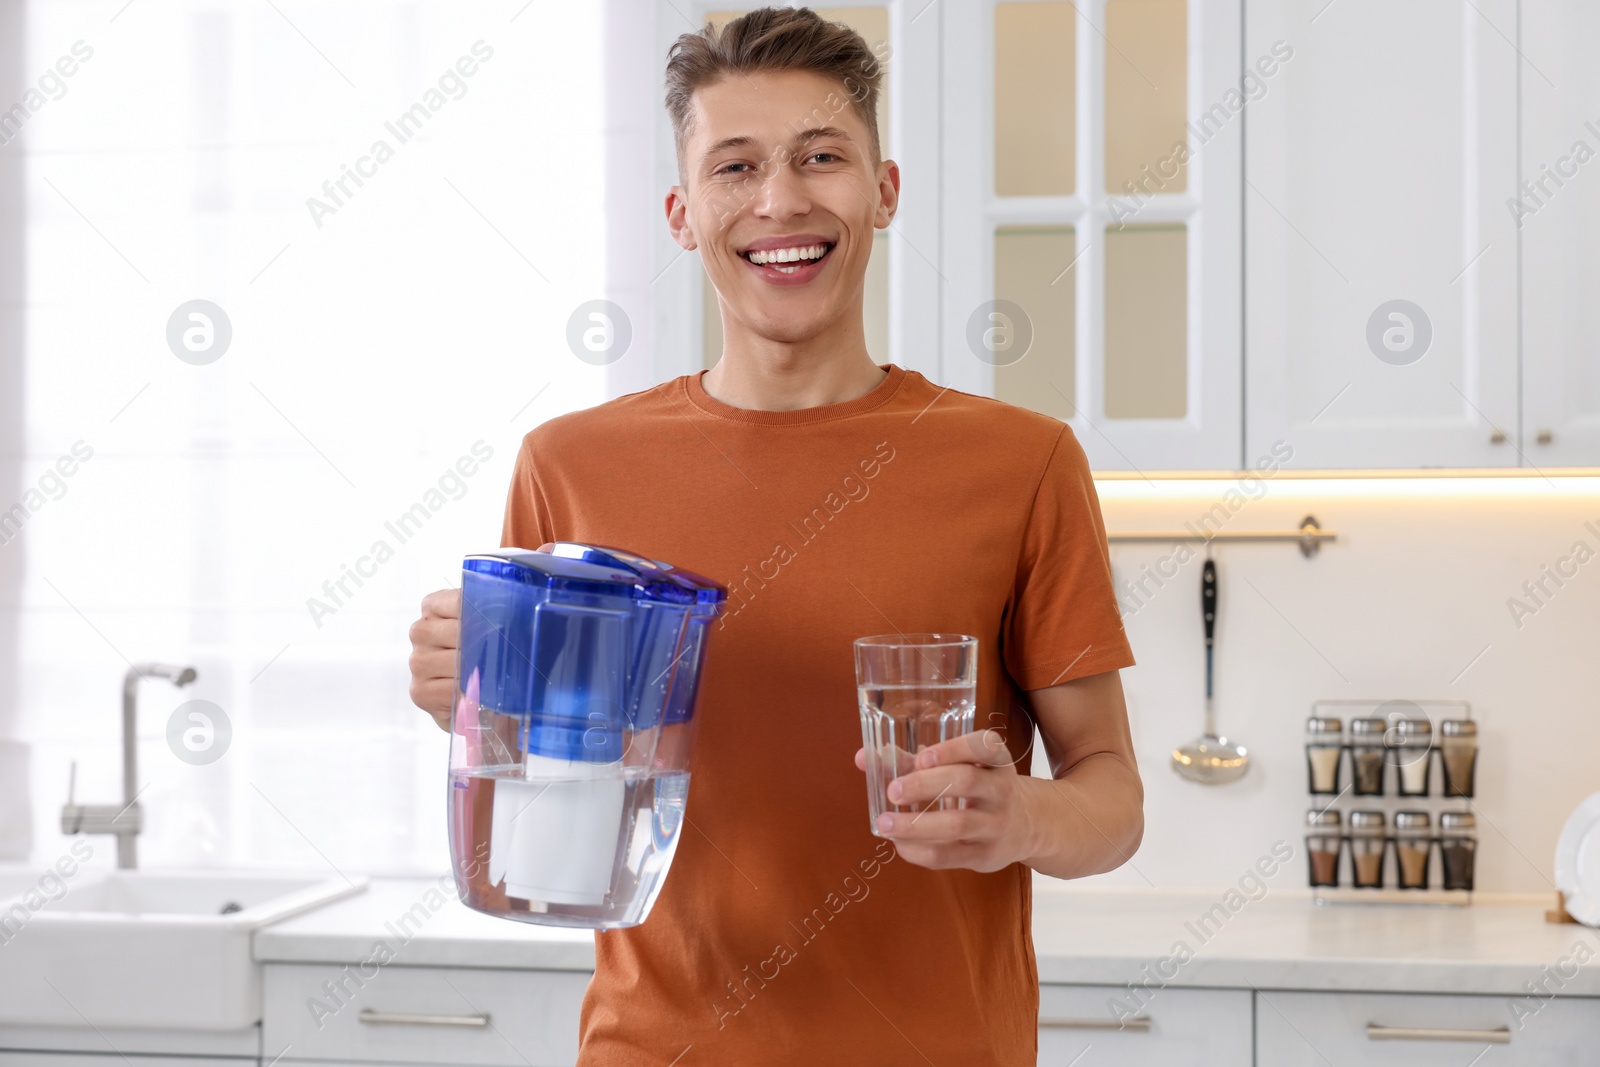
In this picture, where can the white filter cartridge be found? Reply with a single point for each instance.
(555, 832)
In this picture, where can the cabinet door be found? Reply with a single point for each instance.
(1380, 259)
(1558, 211)
(37, 1058)
(1406, 1030)
(397, 1014)
(1090, 258)
(1172, 1028)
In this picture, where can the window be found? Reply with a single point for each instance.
(398, 320)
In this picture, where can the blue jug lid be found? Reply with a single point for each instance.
(553, 572)
(655, 580)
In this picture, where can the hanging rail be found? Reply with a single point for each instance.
(1310, 536)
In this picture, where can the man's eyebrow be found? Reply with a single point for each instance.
(806, 136)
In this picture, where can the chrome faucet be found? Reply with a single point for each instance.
(122, 822)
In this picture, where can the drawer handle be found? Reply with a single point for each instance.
(1498, 1036)
(1139, 1024)
(398, 1018)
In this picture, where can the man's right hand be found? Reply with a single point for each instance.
(433, 654)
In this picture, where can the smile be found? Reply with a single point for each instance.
(788, 261)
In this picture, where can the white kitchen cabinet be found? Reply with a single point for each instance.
(1174, 1028)
(113, 1046)
(1090, 221)
(1558, 211)
(1406, 1030)
(37, 1058)
(1378, 163)
(397, 1014)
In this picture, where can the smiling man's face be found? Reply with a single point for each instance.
(781, 199)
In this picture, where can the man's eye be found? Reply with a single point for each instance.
(827, 157)
(730, 168)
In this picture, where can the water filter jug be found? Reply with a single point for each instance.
(576, 676)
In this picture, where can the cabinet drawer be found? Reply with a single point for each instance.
(422, 1015)
(35, 1058)
(1174, 1027)
(1381, 1029)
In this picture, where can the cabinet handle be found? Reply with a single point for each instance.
(1498, 1036)
(399, 1018)
(1544, 437)
(1497, 437)
(1139, 1024)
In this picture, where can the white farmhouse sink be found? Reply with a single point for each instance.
(144, 949)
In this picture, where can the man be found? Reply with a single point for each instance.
(836, 498)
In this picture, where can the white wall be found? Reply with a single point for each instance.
(15, 830)
(1413, 590)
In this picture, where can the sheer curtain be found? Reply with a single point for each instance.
(396, 208)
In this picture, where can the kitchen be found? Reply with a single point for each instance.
(1309, 281)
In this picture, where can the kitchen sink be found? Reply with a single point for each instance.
(143, 948)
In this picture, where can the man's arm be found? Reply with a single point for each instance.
(1087, 819)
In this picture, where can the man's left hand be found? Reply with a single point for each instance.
(995, 827)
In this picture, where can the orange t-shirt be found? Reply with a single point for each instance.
(786, 933)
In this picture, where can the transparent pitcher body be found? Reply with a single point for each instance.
(573, 731)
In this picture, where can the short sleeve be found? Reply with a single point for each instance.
(1063, 621)
(527, 522)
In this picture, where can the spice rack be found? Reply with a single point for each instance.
(1372, 834)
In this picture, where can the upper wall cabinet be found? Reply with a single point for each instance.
(1089, 264)
(1200, 231)
(1380, 256)
(1557, 208)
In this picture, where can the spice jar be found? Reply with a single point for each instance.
(1412, 747)
(1458, 755)
(1366, 756)
(1458, 848)
(1324, 742)
(1367, 847)
(1322, 846)
(1412, 843)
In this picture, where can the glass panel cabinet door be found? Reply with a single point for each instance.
(1091, 218)
(1557, 212)
(1380, 259)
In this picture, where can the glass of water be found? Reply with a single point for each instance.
(914, 690)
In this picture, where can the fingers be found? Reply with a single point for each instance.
(442, 604)
(431, 634)
(942, 840)
(433, 654)
(955, 826)
(986, 747)
(434, 696)
(978, 856)
(919, 789)
(432, 664)
(889, 756)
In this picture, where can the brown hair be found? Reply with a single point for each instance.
(773, 38)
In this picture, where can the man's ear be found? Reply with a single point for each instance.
(678, 224)
(888, 195)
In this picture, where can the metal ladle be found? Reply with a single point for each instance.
(1210, 759)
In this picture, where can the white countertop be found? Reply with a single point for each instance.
(1093, 937)
(447, 935)
(1286, 941)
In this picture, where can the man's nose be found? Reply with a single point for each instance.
(780, 191)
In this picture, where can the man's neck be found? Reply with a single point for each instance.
(760, 374)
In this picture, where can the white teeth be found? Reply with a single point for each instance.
(787, 255)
